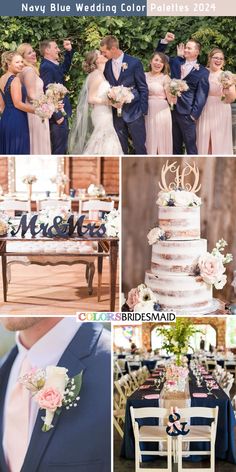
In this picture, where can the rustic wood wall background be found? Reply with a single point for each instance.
(140, 177)
(82, 171)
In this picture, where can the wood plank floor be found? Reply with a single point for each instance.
(59, 290)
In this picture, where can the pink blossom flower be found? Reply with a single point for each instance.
(133, 298)
(211, 268)
(49, 398)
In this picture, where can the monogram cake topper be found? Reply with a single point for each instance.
(180, 182)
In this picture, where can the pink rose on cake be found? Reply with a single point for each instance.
(133, 298)
(211, 269)
(141, 299)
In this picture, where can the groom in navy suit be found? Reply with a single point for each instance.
(51, 71)
(122, 69)
(80, 439)
(190, 105)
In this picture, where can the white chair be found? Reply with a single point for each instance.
(230, 366)
(93, 207)
(211, 364)
(133, 365)
(11, 206)
(53, 203)
(198, 433)
(149, 434)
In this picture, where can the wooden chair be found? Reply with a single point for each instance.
(53, 203)
(201, 433)
(149, 434)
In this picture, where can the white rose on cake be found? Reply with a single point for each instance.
(154, 235)
(163, 198)
(182, 198)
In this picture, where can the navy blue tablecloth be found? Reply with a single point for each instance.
(225, 437)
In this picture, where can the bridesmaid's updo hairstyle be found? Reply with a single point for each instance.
(212, 53)
(6, 59)
(164, 60)
(89, 64)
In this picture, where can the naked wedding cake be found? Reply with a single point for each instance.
(182, 272)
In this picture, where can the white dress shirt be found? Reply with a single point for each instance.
(117, 63)
(46, 351)
(187, 67)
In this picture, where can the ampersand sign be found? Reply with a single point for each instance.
(174, 426)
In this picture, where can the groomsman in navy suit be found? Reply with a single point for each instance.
(51, 71)
(80, 439)
(122, 69)
(190, 105)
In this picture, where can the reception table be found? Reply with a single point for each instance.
(107, 247)
(225, 438)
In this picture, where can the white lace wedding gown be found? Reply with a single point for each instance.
(103, 140)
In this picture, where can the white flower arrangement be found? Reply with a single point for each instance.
(211, 265)
(156, 234)
(3, 227)
(60, 179)
(178, 198)
(112, 223)
(52, 389)
(124, 66)
(29, 179)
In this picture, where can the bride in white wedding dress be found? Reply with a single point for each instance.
(95, 133)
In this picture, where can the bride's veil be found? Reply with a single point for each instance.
(82, 124)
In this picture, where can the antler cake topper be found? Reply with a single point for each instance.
(180, 177)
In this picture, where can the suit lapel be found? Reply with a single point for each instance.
(80, 347)
(123, 72)
(4, 375)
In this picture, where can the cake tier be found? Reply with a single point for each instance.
(180, 223)
(180, 292)
(177, 257)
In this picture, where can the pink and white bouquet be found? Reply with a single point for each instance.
(55, 93)
(43, 107)
(211, 265)
(52, 389)
(120, 94)
(227, 79)
(175, 88)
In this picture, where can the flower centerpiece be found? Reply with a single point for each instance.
(3, 227)
(112, 223)
(120, 94)
(96, 190)
(176, 377)
(53, 390)
(29, 180)
(211, 266)
(61, 181)
(176, 338)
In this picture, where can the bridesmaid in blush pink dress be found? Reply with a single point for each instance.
(214, 127)
(158, 120)
(39, 131)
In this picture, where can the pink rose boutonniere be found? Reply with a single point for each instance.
(124, 66)
(52, 389)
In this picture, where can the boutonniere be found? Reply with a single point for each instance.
(196, 66)
(53, 390)
(124, 66)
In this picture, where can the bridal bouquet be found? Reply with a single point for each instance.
(120, 94)
(55, 93)
(43, 107)
(227, 79)
(52, 389)
(175, 88)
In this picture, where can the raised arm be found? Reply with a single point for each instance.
(16, 95)
(68, 56)
(163, 43)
